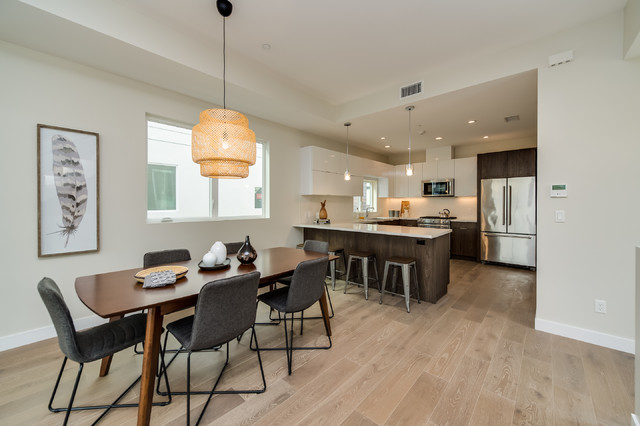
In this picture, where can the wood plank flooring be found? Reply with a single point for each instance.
(471, 359)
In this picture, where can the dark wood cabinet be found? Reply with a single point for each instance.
(464, 240)
(517, 163)
(493, 165)
(522, 162)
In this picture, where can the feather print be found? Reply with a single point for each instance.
(71, 184)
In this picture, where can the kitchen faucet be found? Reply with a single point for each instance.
(366, 211)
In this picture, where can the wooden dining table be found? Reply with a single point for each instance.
(114, 294)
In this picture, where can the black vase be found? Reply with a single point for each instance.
(247, 254)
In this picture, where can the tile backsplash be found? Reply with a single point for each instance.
(340, 209)
(463, 208)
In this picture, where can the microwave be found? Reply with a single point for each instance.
(437, 188)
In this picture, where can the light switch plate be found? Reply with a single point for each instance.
(560, 216)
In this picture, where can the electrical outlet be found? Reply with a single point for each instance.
(601, 306)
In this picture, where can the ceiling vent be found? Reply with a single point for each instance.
(561, 58)
(410, 90)
(512, 118)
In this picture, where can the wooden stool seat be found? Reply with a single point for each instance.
(401, 260)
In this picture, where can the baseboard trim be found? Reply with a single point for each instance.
(31, 336)
(589, 336)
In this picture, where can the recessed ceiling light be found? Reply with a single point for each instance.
(472, 121)
(439, 138)
(266, 46)
(387, 146)
(485, 137)
(382, 138)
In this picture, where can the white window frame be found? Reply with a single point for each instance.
(358, 199)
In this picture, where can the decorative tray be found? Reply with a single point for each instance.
(215, 267)
(180, 271)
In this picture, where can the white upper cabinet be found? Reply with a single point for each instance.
(408, 186)
(325, 159)
(322, 173)
(466, 174)
(438, 169)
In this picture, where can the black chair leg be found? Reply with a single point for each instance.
(288, 342)
(106, 407)
(73, 393)
(189, 388)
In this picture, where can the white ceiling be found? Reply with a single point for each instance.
(326, 57)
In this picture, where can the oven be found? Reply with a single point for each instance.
(434, 222)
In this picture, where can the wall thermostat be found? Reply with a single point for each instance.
(559, 190)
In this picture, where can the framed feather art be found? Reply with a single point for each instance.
(67, 191)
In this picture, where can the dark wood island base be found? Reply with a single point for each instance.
(431, 254)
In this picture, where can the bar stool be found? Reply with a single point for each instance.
(364, 258)
(405, 264)
(336, 251)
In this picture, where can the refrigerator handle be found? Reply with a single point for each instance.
(510, 199)
(504, 205)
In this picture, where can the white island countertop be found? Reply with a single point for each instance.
(372, 228)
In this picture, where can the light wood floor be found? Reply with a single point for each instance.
(472, 358)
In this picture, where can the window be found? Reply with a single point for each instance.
(369, 198)
(177, 192)
(162, 187)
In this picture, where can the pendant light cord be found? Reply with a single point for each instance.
(224, 63)
(347, 147)
(409, 138)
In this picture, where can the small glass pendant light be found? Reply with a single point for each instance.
(347, 175)
(409, 168)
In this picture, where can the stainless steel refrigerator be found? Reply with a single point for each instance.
(508, 221)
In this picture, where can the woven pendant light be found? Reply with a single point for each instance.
(222, 142)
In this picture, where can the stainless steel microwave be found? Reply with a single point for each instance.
(437, 188)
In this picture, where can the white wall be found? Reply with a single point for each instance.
(588, 136)
(38, 88)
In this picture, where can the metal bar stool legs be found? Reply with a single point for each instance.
(405, 265)
(332, 265)
(363, 258)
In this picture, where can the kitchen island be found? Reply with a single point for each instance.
(428, 246)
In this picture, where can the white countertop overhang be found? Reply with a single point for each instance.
(371, 228)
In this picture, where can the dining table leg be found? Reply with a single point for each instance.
(149, 364)
(106, 361)
(325, 311)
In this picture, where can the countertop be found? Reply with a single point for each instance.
(453, 219)
(372, 228)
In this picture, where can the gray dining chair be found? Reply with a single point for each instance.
(162, 257)
(165, 257)
(89, 345)
(306, 288)
(225, 309)
(320, 247)
(233, 248)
